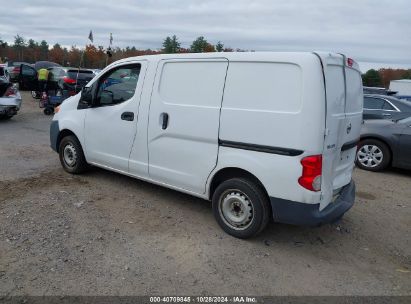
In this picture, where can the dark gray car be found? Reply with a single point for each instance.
(385, 107)
(385, 142)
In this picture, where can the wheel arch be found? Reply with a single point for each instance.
(232, 172)
(63, 133)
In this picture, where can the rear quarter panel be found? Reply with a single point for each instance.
(277, 102)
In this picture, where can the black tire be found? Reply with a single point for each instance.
(246, 191)
(378, 164)
(70, 144)
(48, 111)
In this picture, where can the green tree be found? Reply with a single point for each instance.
(19, 45)
(371, 78)
(199, 45)
(32, 44)
(3, 50)
(406, 74)
(171, 45)
(219, 46)
(44, 50)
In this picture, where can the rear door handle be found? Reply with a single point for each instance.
(129, 116)
(164, 123)
(386, 114)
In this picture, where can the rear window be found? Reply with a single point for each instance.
(82, 74)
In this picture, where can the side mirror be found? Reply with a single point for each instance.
(86, 98)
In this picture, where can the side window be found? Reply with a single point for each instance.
(118, 85)
(387, 106)
(28, 71)
(193, 83)
(373, 103)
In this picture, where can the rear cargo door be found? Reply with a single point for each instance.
(344, 103)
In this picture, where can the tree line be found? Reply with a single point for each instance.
(382, 77)
(92, 56)
(98, 57)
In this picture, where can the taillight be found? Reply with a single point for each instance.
(68, 80)
(10, 92)
(350, 62)
(16, 69)
(311, 176)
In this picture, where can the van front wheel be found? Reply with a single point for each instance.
(241, 207)
(71, 155)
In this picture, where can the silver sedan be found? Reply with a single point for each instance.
(10, 100)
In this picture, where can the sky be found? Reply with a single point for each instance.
(376, 33)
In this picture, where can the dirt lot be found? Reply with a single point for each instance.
(106, 234)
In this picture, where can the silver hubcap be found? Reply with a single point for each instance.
(370, 156)
(70, 155)
(236, 209)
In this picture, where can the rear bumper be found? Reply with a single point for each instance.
(291, 212)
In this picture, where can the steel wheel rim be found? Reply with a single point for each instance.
(236, 209)
(370, 156)
(70, 155)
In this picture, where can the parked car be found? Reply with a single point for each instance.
(401, 86)
(378, 91)
(404, 97)
(60, 78)
(14, 70)
(385, 107)
(10, 99)
(28, 74)
(261, 135)
(385, 143)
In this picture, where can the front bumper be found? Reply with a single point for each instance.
(296, 213)
(54, 134)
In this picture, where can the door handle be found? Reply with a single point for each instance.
(386, 114)
(129, 116)
(164, 124)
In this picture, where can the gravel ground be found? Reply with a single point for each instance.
(102, 233)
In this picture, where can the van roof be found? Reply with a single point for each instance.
(240, 56)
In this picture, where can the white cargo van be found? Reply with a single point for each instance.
(261, 135)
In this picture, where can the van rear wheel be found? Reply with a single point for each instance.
(71, 155)
(241, 207)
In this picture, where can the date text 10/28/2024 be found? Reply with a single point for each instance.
(203, 299)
